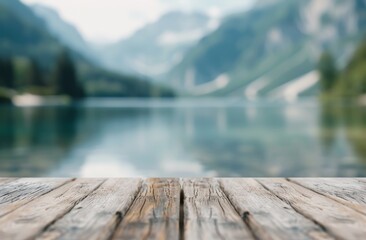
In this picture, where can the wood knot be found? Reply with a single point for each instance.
(246, 215)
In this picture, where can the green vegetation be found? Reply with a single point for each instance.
(6, 79)
(34, 61)
(35, 76)
(347, 83)
(22, 75)
(6, 73)
(66, 79)
(328, 71)
(352, 81)
(28, 77)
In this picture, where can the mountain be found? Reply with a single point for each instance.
(22, 33)
(158, 46)
(25, 38)
(261, 52)
(65, 32)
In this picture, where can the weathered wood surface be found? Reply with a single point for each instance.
(267, 215)
(18, 192)
(30, 219)
(5, 180)
(97, 216)
(155, 212)
(182, 208)
(339, 220)
(348, 191)
(208, 214)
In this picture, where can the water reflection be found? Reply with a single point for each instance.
(355, 122)
(348, 124)
(120, 139)
(329, 122)
(35, 140)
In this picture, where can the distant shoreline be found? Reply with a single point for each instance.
(32, 100)
(29, 100)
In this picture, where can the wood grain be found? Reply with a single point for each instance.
(267, 215)
(339, 220)
(97, 216)
(18, 192)
(348, 191)
(208, 214)
(154, 213)
(6, 180)
(29, 220)
(182, 209)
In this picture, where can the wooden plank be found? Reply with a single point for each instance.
(97, 216)
(14, 194)
(363, 179)
(154, 213)
(339, 220)
(208, 214)
(266, 215)
(348, 191)
(6, 180)
(29, 220)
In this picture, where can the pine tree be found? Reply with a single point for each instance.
(328, 71)
(6, 73)
(35, 74)
(353, 80)
(66, 77)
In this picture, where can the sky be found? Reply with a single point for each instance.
(105, 21)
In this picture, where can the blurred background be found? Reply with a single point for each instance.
(140, 88)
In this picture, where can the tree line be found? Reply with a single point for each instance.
(28, 76)
(348, 82)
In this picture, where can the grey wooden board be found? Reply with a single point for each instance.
(267, 215)
(97, 216)
(208, 214)
(155, 212)
(182, 209)
(6, 180)
(18, 192)
(29, 220)
(348, 191)
(338, 219)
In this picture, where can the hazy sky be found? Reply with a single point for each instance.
(110, 20)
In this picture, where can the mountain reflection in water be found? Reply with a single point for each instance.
(119, 138)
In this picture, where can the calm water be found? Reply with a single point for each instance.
(183, 138)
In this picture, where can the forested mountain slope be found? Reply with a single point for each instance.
(270, 45)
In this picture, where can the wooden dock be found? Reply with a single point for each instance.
(179, 209)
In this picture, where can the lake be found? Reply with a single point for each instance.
(181, 138)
